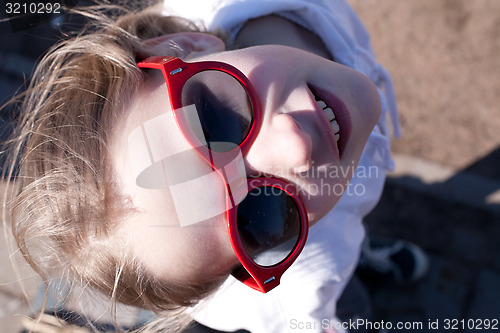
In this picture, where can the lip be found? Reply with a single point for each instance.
(341, 115)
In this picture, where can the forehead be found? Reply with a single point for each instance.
(152, 154)
(155, 231)
(149, 101)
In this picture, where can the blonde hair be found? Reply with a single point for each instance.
(66, 203)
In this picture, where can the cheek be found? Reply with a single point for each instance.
(181, 254)
(321, 188)
(211, 253)
(203, 252)
(366, 100)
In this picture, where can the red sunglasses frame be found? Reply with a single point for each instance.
(176, 73)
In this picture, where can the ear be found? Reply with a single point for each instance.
(182, 44)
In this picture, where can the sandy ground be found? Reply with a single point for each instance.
(444, 59)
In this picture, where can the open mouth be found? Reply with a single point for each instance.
(337, 115)
(330, 115)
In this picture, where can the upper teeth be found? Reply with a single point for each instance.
(331, 117)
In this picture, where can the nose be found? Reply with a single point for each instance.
(281, 146)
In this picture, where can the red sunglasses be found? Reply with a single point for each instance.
(268, 228)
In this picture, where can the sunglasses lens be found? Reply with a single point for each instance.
(268, 225)
(223, 108)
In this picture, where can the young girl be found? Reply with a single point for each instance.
(307, 297)
(115, 144)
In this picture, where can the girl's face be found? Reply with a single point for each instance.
(297, 142)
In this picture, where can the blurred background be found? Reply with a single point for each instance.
(445, 192)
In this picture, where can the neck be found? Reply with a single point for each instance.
(275, 30)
